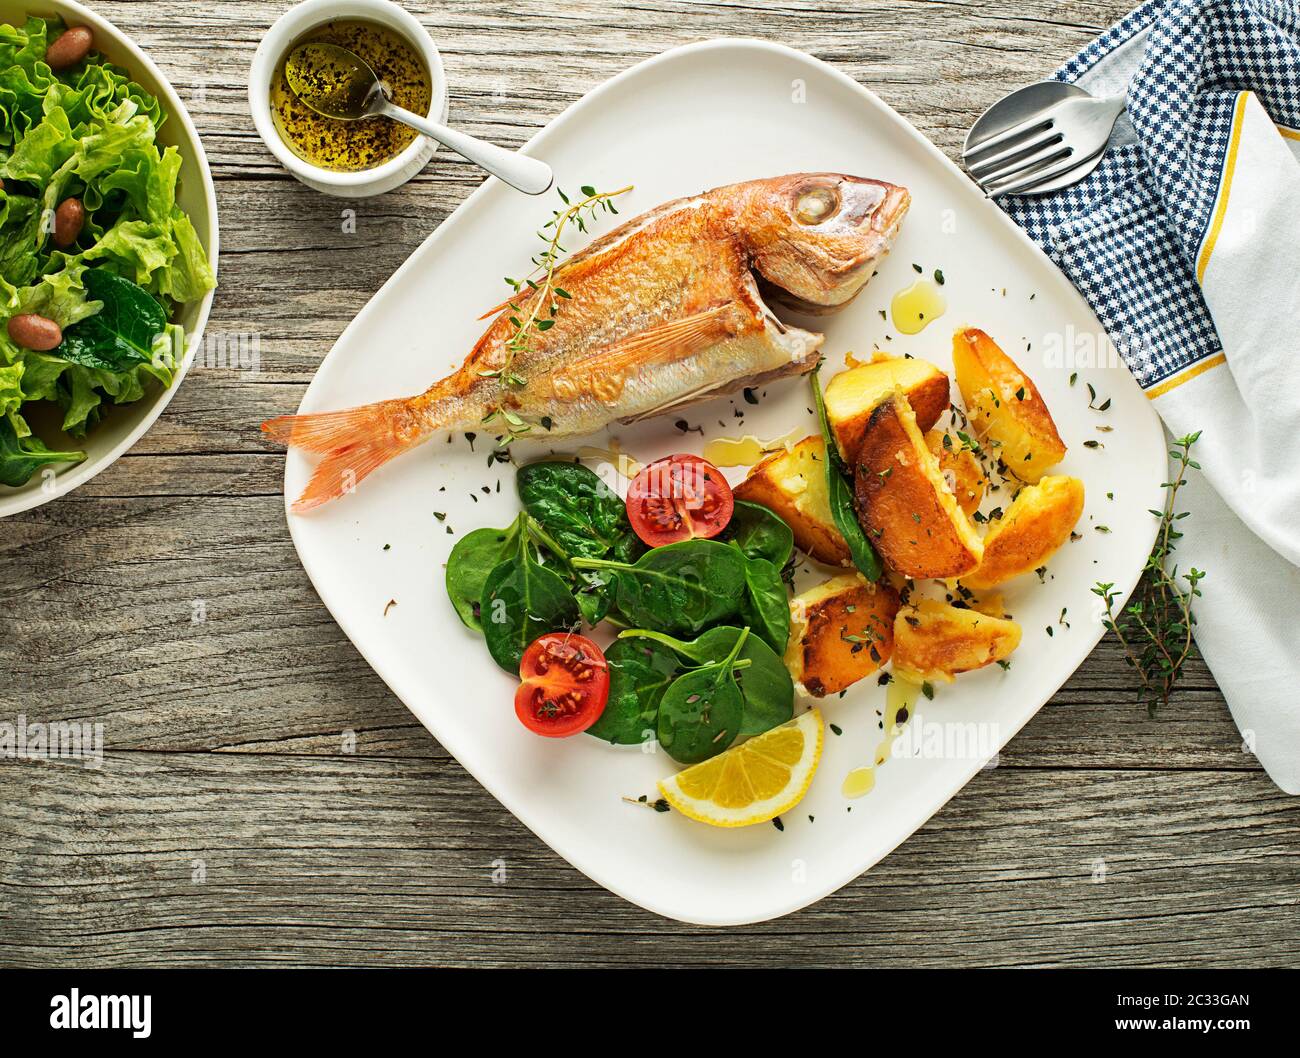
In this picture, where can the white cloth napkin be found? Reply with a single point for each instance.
(1186, 242)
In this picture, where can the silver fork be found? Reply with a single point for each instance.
(1044, 144)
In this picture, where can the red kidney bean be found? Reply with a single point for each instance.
(34, 332)
(70, 48)
(68, 219)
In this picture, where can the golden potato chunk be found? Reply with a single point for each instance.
(904, 504)
(852, 395)
(840, 631)
(1004, 406)
(1037, 523)
(991, 603)
(935, 641)
(793, 484)
(960, 469)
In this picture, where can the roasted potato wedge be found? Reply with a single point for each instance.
(904, 504)
(852, 395)
(960, 469)
(1038, 521)
(935, 641)
(793, 484)
(989, 603)
(1004, 406)
(840, 631)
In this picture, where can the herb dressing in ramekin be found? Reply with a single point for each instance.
(352, 146)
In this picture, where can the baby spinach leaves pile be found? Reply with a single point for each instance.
(578, 516)
(681, 588)
(518, 583)
(580, 512)
(841, 494)
(706, 621)
(680, 691)
(696, 696)
(523, 599)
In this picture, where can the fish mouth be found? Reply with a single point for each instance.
(844, 278)
(877, 231)
(817, 266)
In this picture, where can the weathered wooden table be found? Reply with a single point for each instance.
(233, 820)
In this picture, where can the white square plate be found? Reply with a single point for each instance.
(688, 120)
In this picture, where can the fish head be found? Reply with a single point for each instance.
(817, 237)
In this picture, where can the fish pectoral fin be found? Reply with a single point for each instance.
(667, 342)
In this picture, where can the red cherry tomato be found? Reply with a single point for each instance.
(678, 498)
(565, 685)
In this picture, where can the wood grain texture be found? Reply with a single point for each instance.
(266, 800)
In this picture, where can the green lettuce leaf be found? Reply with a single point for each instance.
(20, 458)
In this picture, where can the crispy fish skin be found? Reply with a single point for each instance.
(663, 311)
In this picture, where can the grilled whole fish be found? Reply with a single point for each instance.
(663, 311)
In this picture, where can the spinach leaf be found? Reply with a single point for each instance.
(765, 606)
(471, 560)
(681, 588)
(841, 495)
(702, 710)
(590, 589)
(765, 684)
(122, 333)
(20, 458)
(522, 599)
(578, 510)
(593, 601)
(759, 533)
(640, 670)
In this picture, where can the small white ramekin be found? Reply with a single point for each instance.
(307, 16)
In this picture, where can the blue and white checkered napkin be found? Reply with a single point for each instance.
(1186, 242)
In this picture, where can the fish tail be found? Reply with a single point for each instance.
(354, 441)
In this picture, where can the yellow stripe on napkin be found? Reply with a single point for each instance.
(1225, 188)
(1185, 376)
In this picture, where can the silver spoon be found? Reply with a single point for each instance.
(337, 83)
(1039, 138)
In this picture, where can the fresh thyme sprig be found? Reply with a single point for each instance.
(546, 295)
(1155, 628)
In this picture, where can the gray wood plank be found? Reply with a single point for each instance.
(185, 859)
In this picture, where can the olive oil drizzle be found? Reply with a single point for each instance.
(916, 306)
(900, 703)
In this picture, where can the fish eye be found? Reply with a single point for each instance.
(817, 205)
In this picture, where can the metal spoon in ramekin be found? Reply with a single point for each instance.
(353, 92)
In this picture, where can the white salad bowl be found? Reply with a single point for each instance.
(299, 20)
(123, 425)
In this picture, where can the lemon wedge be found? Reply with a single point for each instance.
(754, 781)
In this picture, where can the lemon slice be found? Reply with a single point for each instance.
(754, 781)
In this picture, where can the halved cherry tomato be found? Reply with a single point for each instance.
(565, 685)
(678, 498)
